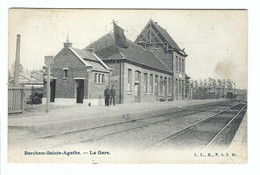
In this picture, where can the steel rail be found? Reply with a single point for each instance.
(133, 128)
(151, 123)
(186, 128)
(141, 119)
(213, 139)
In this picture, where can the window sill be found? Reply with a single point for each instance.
(129, 93)
(99, 83)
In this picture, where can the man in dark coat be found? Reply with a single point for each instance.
(113, 95)
(107, 96)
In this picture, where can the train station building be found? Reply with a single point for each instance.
(152, 68)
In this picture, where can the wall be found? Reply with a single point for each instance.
(179, 76)
(115, 77)
(145, 97)
(66, 86)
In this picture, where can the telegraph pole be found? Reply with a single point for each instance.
(48, 60)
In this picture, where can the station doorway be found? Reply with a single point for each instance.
(53, 90)
(79, 90)
(137, 93)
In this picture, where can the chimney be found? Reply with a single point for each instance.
(90, 49)
(67, 44)
(17, 62)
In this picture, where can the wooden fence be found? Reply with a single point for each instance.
(15, 100)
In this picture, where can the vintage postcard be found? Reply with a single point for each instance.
(127, 86)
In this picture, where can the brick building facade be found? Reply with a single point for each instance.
(138, 74)
(156, 39)
(150, 69)
(78, 76)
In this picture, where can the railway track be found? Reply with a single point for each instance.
(192, 110)
(204, 133)
(144, 122)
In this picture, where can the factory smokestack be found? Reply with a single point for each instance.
(17, 62)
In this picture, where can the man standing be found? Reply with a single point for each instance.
(107, 96)
(113, 95)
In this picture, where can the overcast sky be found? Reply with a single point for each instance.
(215, 41)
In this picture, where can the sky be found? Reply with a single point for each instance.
(215, 40)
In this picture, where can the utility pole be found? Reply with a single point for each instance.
(48, 60)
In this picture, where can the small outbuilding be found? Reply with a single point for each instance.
(78, 76)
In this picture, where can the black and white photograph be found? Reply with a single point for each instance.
(132, 86)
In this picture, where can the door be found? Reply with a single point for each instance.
(137, 92)
(53, 90)
(156, 87)
(165, 88)
(80, 90)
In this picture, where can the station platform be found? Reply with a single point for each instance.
(62, 119)
(239, 141)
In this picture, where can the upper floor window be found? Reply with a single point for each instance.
(65, 70)
(180, 65)
(176, 64)
(183, 66)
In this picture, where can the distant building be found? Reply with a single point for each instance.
(78, 76)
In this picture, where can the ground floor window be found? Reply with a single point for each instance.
(180, 87)
(145, 82)
(169, 85)
(129, 80)
(161, 84)
(151, 83)
(103, 78)
(96, 78)
(99, 78)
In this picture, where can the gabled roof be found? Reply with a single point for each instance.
(86, 55)
(29, 79)
(163, 35)
(138, 54)
(166, 35)
(90, 59)
(105, 48)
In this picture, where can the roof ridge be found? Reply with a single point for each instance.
(109, 33)
(138, 45)
(159, 28)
